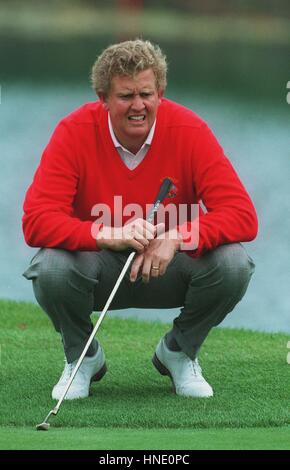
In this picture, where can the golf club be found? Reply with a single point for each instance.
(164, 189)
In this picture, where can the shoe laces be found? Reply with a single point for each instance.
(68, 370)
(195, 367)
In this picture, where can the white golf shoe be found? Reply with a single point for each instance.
(92, 369)
(186, 375)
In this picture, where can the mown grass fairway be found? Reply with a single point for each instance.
(133, 407)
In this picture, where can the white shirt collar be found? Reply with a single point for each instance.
(117, 143)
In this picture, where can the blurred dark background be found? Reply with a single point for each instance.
(232, 46)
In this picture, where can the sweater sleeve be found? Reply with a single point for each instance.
(48, 219)
(230, 216)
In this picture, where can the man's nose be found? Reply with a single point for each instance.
(137, 103)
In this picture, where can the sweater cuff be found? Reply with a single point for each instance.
(94, 229)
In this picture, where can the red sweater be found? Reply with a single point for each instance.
(80, 167)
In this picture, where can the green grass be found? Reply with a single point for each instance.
(248, 371)
(143, 439)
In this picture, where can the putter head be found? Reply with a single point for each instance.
(43, 426)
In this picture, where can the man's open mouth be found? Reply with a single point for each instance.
(137, 118)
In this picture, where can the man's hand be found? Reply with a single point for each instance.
(135, 235)
(156, 256)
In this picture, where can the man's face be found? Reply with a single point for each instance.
(132, 103)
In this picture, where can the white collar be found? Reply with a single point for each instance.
(117, 143)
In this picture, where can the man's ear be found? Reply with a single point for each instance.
(160, 95)
(103, 100)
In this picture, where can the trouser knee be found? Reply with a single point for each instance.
(235, 269)
(62, 287)
(55, 274)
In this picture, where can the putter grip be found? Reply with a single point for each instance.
(159, 198)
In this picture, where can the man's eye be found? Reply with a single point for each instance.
(130, 97)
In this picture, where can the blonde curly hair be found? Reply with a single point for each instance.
(126, 59)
